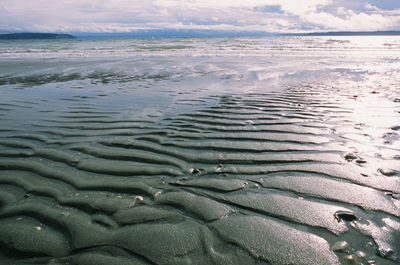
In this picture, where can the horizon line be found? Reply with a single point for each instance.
(210, 33)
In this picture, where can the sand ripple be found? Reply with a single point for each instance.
(269, 178)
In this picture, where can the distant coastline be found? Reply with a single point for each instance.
(347, 33)
(185, 33)
(221, 33)
(35, 36)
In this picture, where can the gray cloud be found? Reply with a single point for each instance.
(249, 15)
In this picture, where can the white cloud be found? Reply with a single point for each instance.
(127, 15)
(353, 21)
(302, 7)
(371, 7)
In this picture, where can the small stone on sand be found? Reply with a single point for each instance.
(341, 246)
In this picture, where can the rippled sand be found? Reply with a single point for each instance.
(112, 169)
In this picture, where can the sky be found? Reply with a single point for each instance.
(123, 16)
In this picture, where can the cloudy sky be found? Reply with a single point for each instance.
(236, 15)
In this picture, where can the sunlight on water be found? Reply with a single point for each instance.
(337, 46)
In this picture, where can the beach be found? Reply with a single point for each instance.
(262, 150)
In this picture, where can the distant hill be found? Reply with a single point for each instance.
(35, 36)
(349, 33)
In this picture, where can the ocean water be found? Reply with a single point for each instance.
(278, 150)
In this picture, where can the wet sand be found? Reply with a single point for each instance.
(92, 172)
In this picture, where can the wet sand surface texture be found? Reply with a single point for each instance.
(183, 167)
